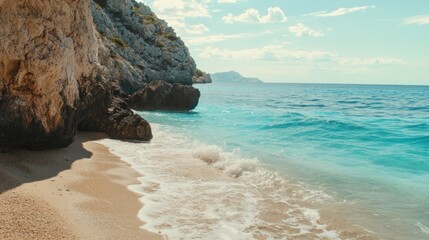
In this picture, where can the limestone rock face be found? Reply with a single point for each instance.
(51, 80)
(46, 49)
(70, 64)
(138, 47)
(160, 95)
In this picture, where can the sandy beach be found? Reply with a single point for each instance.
(79, 192)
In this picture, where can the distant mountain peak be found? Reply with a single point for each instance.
(233, 77)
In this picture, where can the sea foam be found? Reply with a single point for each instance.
(230, 163)
(195, 191)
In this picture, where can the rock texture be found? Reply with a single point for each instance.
(70, 64)
(47, 49)
(112, 115)
(159, 95)
(138, 47)
(201, 77)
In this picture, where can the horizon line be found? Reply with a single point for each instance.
(331, 83)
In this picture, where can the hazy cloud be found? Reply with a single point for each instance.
(419, 20)
(226, 1)
(371, 61)
(282, 53)
(209, 39)
(196, 29)
(340, 11)
(269, 53)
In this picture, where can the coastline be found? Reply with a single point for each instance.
(79, 192)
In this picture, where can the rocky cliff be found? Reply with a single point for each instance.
(48, 50)
(69, 64)
(138, 47)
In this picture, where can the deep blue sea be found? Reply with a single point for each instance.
(353, 160)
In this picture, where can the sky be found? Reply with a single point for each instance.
(306, 41)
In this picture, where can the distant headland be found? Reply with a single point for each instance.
(233, 77)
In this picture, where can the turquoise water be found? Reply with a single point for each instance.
(364, 145)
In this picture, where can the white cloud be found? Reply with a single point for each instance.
(209, 39)
(275, 14)
(419, 20)
(282, 53)
(269, 53)
(340, 11)
(199, 40)
(196, 29)
(181, 8)
(300, 30)
(175, 12)
(227, 1)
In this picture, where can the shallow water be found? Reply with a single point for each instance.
(277, 161)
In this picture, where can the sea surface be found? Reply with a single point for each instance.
(288, 161)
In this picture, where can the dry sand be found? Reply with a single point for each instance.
(75, 193)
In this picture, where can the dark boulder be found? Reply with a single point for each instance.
(160, 95)
(116, 119)
(182, 97)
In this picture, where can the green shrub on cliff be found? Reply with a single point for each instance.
(136, 11)
(159, 44)
(198, 73)
(149, 19)
(118, 40)
(169, 35)
(97, 6)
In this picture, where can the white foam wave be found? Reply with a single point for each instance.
(423, 228)
(196, 191)
(209, 154)
(230, 163)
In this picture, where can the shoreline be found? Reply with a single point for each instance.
(79, 192)
(237, 197)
